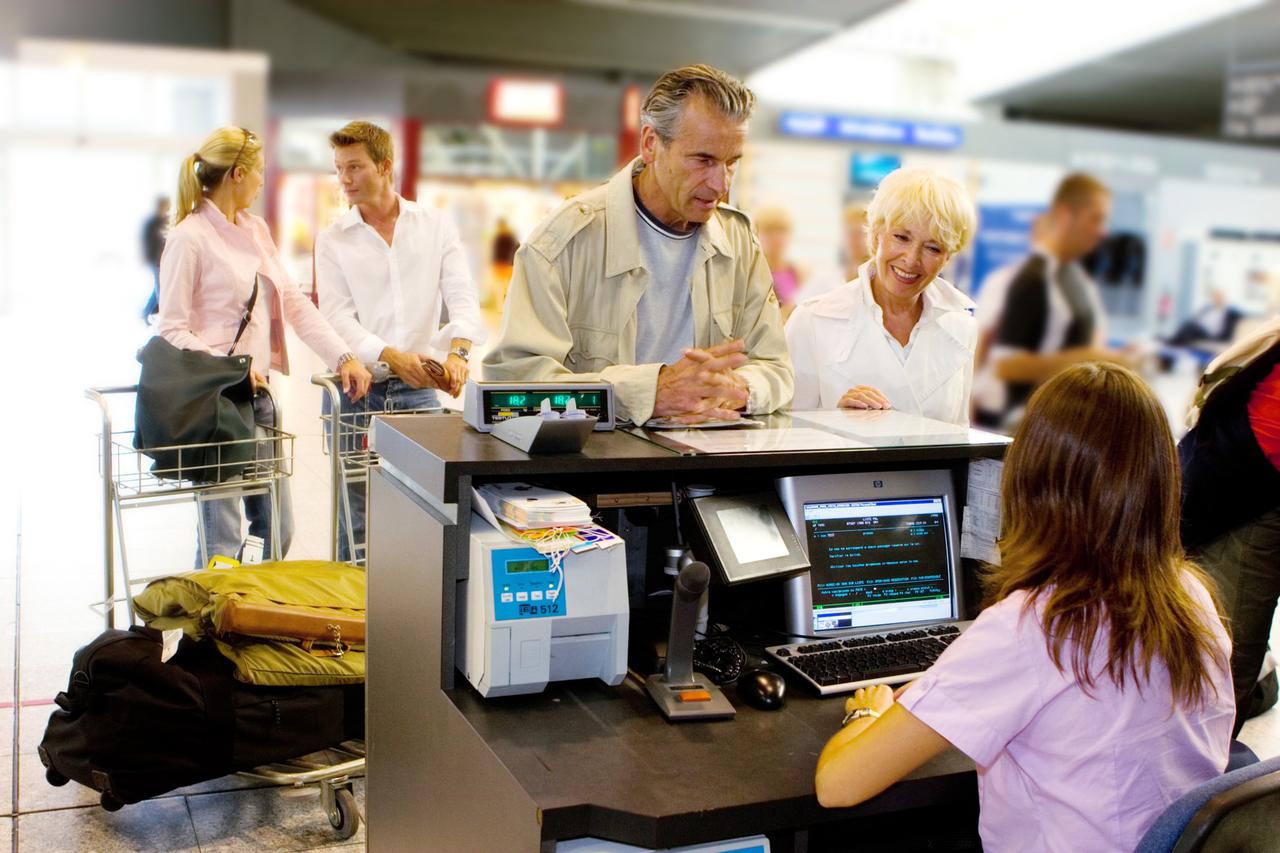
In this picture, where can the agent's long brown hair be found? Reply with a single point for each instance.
(1091, 501)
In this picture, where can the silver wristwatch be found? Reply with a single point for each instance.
(461, 352)
(858, 714)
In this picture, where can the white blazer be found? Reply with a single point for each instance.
(838, 340)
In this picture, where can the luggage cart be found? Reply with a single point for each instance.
(130, 480)
(347, 445)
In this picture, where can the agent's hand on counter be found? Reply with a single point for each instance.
(864, 397)
(407, 366)
(702, 385)
(876, 698)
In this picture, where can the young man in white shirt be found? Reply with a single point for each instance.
(383, 270)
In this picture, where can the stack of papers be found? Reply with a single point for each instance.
(524, 506)
(501, 503)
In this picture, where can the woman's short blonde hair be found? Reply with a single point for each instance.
(909, 195)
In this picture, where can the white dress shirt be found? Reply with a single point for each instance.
(378, 295)
(839, 340)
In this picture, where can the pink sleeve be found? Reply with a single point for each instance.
(309, 323)
(987, 686)
(299, 311)
(179, 274)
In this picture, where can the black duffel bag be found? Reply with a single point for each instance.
(133, 727)
(194, 411)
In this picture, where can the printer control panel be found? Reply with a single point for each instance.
(524, 587)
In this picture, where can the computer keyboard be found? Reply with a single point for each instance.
(845, 664)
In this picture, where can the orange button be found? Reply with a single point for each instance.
(694, 696)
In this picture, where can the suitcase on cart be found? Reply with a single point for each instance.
(131, 726)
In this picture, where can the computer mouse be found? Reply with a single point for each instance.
(762, 689)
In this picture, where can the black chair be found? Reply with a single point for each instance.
(1235, 812)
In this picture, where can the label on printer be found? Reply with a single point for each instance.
(524, 587)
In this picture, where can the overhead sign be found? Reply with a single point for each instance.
(1004, 236)
(868, 129)
(1251, 103)
(533, 103)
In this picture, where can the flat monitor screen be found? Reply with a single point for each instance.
(878, 563)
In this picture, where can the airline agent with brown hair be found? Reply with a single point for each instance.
(1094, 690)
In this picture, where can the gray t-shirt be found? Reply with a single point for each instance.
(664, 315)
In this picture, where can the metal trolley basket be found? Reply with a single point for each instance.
(350, 459)
(131, 480)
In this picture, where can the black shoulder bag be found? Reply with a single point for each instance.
(194, 411)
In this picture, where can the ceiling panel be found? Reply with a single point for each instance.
(639, 37)
(1174, 85)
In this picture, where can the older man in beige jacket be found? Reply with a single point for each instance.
(650, 282)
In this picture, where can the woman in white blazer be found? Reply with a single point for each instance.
(897, 336)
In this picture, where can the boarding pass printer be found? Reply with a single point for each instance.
(524, 621)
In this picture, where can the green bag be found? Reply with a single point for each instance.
(191, 600)
(189, 397)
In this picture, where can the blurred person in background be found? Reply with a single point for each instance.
(502, 258)
(1231, 502)
(774, 228)
(1215, 322)
(153, 234)
(897, 336)
(1053, 316)
(650, 282)
(217, 254)
(1090, 693)
(988, 390)
(383, 272)
(854, 252)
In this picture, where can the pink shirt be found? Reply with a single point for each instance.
(1057, 769)
(206, 276)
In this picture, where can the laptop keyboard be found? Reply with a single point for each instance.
(841, 665)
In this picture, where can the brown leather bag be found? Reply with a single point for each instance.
(304, 625)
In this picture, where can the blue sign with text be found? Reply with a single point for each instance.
(1004, 236)
(869, 129)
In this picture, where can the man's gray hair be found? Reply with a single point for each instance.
(665, 102)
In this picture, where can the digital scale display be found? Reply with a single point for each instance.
(501, 405)
(488, 403)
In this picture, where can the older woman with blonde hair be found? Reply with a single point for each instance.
(219, 265)
(897, 336)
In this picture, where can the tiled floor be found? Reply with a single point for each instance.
(51, 569)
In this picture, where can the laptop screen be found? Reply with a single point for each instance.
(882, 563)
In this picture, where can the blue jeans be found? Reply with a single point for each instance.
(390, 396)
(222, 521)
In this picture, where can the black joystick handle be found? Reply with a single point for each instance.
(690, 584)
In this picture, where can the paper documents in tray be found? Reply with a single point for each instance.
(524, 506)
(551, 540)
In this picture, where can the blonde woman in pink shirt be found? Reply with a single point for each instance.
(215, 253)
(1095, 688)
